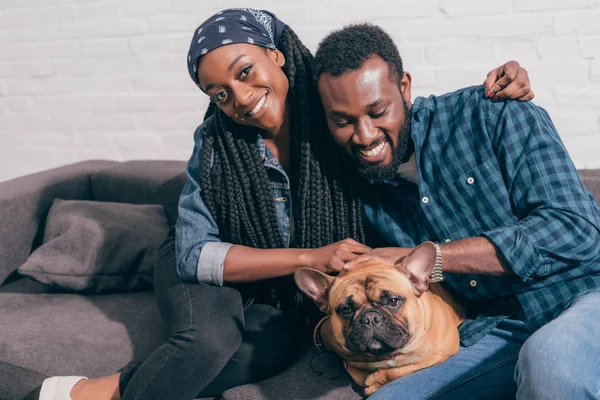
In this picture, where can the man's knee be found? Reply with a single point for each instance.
(546, 363)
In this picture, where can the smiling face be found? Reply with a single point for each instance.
(247, 83)
(368, 114)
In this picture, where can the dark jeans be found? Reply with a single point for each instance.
(214, 344)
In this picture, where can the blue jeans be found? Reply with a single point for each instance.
(559, 361)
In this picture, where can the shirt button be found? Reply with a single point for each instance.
(473, 283)
(448, 240)
(425, 200)
(470, 180)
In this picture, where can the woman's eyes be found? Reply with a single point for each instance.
(244, 73)
(220, 96)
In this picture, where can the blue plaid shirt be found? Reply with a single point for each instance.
(500, 171)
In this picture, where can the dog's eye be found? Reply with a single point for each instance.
(394, 303)
(345, 311)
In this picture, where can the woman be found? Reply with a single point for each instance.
(262, 148)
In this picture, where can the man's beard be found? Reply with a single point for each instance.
(383, 173)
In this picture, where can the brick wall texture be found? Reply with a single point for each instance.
(89, 79)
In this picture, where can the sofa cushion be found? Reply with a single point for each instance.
(70, 334)
(139, 182)
(95, 247)
(591, 180)
(18, 283)
(171, 190)
(25, 202)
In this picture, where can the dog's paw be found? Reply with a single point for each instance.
(369, 390)
(372, 384)
(371, 379)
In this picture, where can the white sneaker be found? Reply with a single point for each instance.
(58, 387)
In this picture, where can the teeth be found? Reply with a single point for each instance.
(258, 106)
(374, 151)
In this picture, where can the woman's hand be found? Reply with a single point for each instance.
(331, 259)
(508, 81)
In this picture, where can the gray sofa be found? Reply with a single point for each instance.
(44, 332)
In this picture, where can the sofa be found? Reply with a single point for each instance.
(46, 332)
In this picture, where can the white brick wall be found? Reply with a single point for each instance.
(83, 79)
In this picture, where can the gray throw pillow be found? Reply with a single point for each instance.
(97, 247)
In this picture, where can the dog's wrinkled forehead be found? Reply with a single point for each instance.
(369, 285)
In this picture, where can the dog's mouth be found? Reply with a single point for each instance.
(377, 343)
(377, 347)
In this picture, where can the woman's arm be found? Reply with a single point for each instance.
(509, 81)
(203, 257)
(245, 264)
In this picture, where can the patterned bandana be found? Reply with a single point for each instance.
(234, 25)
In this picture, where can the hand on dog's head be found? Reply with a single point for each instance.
(373, 307)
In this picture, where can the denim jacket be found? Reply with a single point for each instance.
(199, 250)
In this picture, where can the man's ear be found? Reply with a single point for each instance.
(315, 285)
(276, 56)
(418, 264)
(405, 87)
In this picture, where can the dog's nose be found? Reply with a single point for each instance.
(372, 318)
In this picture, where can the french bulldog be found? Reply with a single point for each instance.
(388, 315)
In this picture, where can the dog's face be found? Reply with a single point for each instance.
(374, 307)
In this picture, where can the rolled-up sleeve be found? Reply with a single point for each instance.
(558, 220)
(199, 251)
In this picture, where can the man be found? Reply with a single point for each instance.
(493, 184)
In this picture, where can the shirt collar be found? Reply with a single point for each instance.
(262, 147)
(268, 157)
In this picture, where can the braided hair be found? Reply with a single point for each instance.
(237, 191)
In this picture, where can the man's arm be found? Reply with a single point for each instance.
(558, 223)
(476, 255)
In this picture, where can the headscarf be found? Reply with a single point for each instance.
(234, 25)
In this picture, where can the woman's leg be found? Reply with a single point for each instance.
(206, 325)
(205, 354)
(269, 345)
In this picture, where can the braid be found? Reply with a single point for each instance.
(237, 190)
(323, 194)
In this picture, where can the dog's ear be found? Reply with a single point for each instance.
(418, 264)
(315, 284)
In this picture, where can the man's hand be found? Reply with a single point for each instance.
(388, 254)
(330, 259)
(508, 81)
